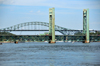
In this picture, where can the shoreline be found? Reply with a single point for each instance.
(6, 42)
(29, 41)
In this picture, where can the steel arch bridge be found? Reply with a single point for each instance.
(62, 30)
(66, 32)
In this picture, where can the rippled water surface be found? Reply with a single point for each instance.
(44, 54)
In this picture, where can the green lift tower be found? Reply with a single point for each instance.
(51, 25)
(86, 25)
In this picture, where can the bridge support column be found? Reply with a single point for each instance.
(51, 25)
(86, 25)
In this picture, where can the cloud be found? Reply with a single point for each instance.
(6, 2)
(55, 3)
(21, 2)
(31, 11)
(38, 11)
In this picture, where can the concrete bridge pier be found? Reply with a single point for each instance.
(86, 25)
(52, 25)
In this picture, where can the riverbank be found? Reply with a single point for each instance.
(13, 41)
(34, 41)
(6, 42)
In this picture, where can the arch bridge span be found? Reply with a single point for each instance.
(62, 30)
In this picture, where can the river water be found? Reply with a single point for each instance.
(44, 54)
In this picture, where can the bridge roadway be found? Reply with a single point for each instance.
(41, 30)
(46, 30)
(46, 37)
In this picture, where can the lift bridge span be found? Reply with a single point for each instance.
(79, 35)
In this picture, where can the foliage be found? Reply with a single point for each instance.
(6, 33)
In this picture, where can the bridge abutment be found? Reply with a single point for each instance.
(51, 25)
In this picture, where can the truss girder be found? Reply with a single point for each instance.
(64, 31)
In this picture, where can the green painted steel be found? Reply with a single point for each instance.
(86, 24)
(52, 23)
(87, 33)
(65, 31)
(45, 38)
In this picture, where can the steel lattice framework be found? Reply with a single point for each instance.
(62, 30)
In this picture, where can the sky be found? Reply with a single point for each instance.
(68, 13)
